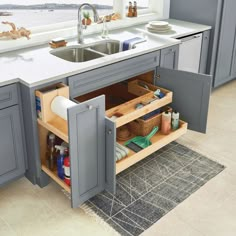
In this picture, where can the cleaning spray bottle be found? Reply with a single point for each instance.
(60, 161)
(67, 168)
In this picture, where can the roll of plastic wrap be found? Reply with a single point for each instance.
(60, 105)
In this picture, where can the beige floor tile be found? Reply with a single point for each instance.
(5, 229)
(171, 225)
(217, 221)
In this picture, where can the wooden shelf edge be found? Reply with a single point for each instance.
(54, 130)
(131, 160)
(56, 178)
(143, 111)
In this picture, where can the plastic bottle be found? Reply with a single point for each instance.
(51, 151)
(105, 30)
(166, 122)
(67, 168)
(60, 161)
(175, 120)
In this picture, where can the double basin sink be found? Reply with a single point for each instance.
(87, 52)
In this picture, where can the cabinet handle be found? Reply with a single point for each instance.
(158, 76)
(206, 37)
(109, 131)
(197, 36)
(90, 107)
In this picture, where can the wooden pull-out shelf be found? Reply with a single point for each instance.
(58, 126)
(132, 93)
(54, 176)
(159, 140)
(44, 128)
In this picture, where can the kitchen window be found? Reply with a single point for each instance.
(48, 12)
(47, 22)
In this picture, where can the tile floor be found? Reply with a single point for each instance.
(27, 210)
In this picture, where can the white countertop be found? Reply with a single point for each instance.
(36, 65)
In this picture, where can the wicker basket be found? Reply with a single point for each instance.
(144, 127)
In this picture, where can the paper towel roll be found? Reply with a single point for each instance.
(60, 105)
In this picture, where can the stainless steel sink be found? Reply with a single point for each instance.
(87, 52)
(107, 47)
(76, 54)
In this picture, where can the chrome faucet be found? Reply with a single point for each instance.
(80, 25)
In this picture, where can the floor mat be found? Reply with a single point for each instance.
(151, 188)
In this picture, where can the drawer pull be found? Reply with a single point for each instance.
(90, 107)
(109, 131)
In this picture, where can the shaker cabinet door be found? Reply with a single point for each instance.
(87, 149)
(191, 94)
(12, 164)
(169, 57)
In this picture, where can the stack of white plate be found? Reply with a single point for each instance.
(158, 27)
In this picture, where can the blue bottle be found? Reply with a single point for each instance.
(60, 161)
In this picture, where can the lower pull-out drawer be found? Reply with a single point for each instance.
(159, 140)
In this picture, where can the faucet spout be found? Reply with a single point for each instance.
(79, 25)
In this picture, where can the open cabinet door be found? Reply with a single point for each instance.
(191, 94)
(110, 156)
(87, 149)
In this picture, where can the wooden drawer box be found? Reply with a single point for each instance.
(122, 99)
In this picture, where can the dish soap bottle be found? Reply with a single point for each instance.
(51, 151)
(105, 31)
(60, 161)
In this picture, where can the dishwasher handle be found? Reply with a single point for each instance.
(185, 39)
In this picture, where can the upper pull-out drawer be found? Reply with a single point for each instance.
(126, 101)
(8, 96)
(107, 75)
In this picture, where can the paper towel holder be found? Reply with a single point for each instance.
(44, 98)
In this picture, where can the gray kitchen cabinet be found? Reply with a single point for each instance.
(12, 156)
(91, 129)
(169, 57)
(225, 56)
(222, 18)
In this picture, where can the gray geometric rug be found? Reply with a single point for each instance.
(151, 188)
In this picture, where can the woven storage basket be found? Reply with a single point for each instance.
(144, 127)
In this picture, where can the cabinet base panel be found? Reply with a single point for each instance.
(54, 176)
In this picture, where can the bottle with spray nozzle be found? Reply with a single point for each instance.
(60, 161)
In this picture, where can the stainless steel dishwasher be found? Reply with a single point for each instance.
(190, 53)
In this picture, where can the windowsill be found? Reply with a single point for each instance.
(68, 32)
